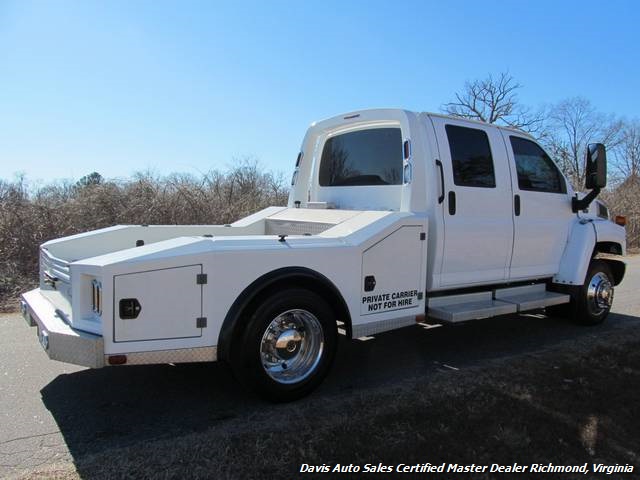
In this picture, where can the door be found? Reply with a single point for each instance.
(544, 215)
(478, 223)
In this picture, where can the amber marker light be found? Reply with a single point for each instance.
(621, 220)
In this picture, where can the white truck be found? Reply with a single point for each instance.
(394, 218)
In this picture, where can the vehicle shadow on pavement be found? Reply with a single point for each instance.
(115, 407)
(103, 409)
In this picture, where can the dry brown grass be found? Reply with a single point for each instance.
(31, 214)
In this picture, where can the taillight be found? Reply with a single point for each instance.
(117, 359)
(621, 220)
(96, 297)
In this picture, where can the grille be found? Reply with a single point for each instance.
(54, 267)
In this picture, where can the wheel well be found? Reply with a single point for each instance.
(608, 251)
(607, 247)
(264, 286)
(617, 269)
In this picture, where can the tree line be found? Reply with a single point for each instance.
(32, 214)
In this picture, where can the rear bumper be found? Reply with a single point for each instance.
(58, 339)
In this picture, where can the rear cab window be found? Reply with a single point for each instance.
(362, 158)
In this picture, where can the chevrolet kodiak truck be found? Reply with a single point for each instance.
(394, 218)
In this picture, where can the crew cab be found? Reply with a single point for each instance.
(394, 218)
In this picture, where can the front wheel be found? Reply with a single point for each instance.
(288, 345)
(596, 296)
(591, 302)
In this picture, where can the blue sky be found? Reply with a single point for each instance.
(123, 86)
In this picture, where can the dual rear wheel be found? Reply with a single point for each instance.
(287, 346)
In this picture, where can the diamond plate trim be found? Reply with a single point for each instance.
(366, 329)
(80, 350)
(182, 355)
(286, 227)
(64, 343)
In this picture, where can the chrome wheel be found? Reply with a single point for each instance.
(599, 293)
(292, 345)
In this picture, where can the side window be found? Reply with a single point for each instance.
(536, 171)
(471, 157)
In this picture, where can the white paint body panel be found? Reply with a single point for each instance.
(347, 234)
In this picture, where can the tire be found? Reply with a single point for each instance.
(596, 295)
(288, 345)
(591, 302)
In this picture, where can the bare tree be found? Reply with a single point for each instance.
(624, 198)
(627, 154)
(495, 100)
(574, 123)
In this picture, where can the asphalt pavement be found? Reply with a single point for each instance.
(51, 412)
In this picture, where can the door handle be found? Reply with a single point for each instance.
(452, 202)
(439, 165)
(516, 205)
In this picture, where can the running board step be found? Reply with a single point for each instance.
(475, 306)
(468, 306)
(531, 297)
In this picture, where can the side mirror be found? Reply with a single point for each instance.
(595, 166)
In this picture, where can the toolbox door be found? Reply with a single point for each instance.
(158, 304)
(392, 272)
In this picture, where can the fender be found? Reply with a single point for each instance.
(585, 242)
(302, 276)
(577, 254)
(607, 231)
